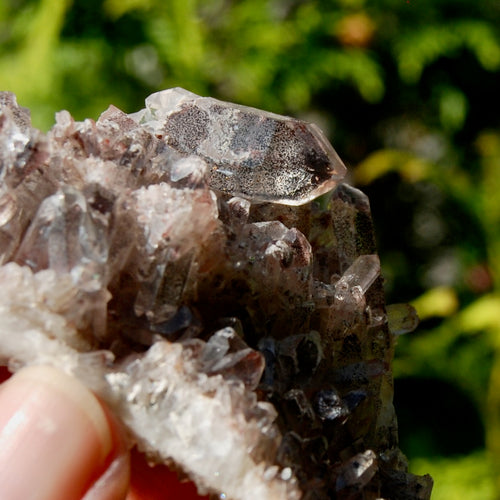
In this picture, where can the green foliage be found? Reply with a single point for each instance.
(424, 46)
(453, 107)
(263, 53)
(469, 477)
(406, 89)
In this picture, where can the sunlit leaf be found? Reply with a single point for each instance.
(453, 107)
(380, 163)
(437, 302)
(469, 477)
(117, 8)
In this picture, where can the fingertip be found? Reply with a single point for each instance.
(54, 436)
(113, 484)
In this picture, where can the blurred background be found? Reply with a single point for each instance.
(408, 93)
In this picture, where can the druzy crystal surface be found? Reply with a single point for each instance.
(182, 264)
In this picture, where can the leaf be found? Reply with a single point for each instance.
(381, 162)
(118, 8)
(420, 48)
(482, 314)
(453, 107)
(437, 302)
(471, 476)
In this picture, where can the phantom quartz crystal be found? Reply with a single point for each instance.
(251, 153)
(204, 270)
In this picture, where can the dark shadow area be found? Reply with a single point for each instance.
(436, 419)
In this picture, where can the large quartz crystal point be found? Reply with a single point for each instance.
(252, 153)
(181, 263)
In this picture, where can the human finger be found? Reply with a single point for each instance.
(55, 437)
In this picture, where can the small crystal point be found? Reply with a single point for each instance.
(252, 153)
(357, 472)
(402, 318)
(359, 276)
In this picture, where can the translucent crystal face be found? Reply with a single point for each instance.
(252, 153)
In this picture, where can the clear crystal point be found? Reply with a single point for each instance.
(252, 153)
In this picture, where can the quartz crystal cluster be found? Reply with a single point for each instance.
(202, 267)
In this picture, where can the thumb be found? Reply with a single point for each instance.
(55, 437)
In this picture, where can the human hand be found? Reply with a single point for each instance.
(58, 442)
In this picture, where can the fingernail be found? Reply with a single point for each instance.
(54, 436)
